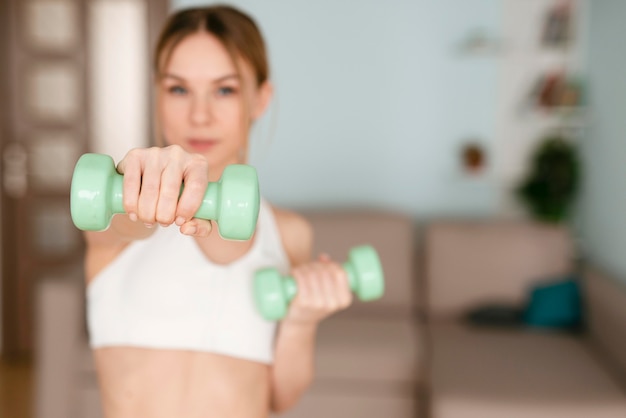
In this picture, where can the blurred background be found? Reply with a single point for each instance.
(478, 144)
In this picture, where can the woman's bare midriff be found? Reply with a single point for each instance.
(141, 382)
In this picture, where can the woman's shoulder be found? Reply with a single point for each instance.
(296, 234)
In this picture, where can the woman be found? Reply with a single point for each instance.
(172, 322)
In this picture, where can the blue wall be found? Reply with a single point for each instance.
(373, 101)
(603, 212)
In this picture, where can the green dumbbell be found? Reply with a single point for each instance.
(96, 195)
(273, 292)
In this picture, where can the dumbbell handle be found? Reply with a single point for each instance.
(207, 210)
(290, 288)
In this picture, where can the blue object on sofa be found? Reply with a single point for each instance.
(555, 305)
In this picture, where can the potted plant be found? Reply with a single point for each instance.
(550, 188)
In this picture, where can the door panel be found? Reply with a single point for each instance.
(52, 155)
(46, 121)
(51, 25)
(52, 89)
(45, 132)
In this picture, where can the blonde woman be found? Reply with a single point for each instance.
(170, 311)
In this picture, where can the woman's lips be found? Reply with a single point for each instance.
(201, 145)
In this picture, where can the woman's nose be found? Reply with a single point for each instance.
(201, 113)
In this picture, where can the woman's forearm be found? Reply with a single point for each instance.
(294, 364)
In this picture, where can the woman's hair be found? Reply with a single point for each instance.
(237, 32)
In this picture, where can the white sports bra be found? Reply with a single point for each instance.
(163, 293)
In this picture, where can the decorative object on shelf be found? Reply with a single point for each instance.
(559, 100)
(479, 42)
(556, 90)
(473, 158)
(553, 180)
(557, 30)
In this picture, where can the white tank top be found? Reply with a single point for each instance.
(163, 293)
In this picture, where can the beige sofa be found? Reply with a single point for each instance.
(484, 373)
(408, 355)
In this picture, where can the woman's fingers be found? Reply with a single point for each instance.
(171, 178)
(196, 179)
(341, 285)
(322, 290)
(197, 228)
(131, 168)
(329, 290)
(300, 276)
(315, 283)
(309, 297)
(150, 187)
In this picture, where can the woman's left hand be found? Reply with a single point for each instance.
(323, 289)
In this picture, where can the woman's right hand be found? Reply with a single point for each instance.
(152, 181)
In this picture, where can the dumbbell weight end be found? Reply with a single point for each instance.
(93, 196)
(234, 201)
(365, 273)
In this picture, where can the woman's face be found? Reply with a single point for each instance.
(204, 105)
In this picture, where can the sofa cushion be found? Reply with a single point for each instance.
(495, 373)
(469, 263)
(391, 234)
(85, 358)
(347, 401)
(90, 403)
(385, 351)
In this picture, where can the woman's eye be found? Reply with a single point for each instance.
(178, 90)
(225, 91)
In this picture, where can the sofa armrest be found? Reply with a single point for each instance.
(605, 297)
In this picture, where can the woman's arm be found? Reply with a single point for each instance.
(294, 364)
(293, 368)
(322, 289)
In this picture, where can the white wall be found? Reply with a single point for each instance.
(118, 76)
(604, 199)
(374, 99)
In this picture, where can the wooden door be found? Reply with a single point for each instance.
(44, 128)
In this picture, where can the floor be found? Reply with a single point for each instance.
(16, 380)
